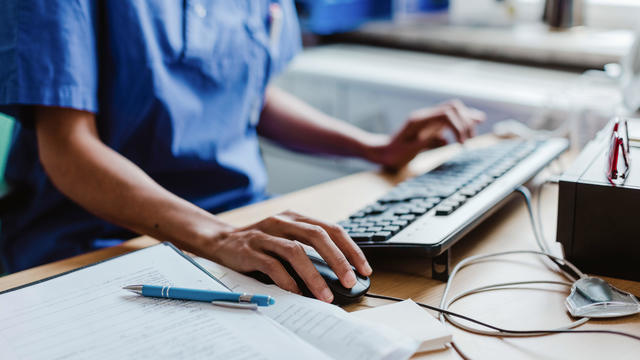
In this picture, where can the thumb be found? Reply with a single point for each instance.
(433, 142)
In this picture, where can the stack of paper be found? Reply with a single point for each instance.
(411, 320)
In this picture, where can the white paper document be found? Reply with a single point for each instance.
(325, 326)
(85, 314)
(413, 321)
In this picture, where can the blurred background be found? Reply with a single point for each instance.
(534, 66)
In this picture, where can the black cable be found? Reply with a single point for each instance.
(506, 331)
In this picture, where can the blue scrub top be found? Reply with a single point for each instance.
(177, 87)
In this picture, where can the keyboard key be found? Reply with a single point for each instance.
(361, 236)
(409, 217)
(417, 210)
(381, 236)
(451, 203)
(423, 204)
(374, 229)
(386, 217)
(392, 228)
(401, 223)
(443, 210)
(377, 209)
(469, 191)
(359, 214)
(383, 223)
(458, 198)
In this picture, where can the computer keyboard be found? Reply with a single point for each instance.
(430, 212)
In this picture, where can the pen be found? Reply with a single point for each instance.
(215, 297)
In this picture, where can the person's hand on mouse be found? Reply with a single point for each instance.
(424, 130)
(256, 246)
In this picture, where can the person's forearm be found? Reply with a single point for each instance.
(113, 188)
(294, 124)
(107, 184)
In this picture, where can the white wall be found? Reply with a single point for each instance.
(609, 14)
(376, 88)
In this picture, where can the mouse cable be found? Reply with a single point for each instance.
(569, 270)
(502, 330)
(444, 304)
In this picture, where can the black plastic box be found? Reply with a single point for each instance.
(599, 223)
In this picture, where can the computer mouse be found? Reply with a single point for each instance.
(341, 295)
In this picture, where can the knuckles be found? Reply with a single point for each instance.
(292, 250)
(455, 104)
(270, 266)
(338, 230)
(291, 214)
(273, 221)
(316, 231)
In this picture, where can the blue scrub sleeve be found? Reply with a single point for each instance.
(48, 55)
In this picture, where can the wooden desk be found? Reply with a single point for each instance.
(508, 229)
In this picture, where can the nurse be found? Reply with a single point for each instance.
(142, 117)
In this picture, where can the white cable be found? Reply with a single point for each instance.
(472, 259)
(537, 233)
(539, 210)
(505, 286)
(539, 239)
(444, 304)
(544, 251)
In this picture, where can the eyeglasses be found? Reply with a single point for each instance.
(619, 144)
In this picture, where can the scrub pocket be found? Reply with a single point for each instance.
(216, 41)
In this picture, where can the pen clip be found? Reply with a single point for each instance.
(275, 26)
(246, 306)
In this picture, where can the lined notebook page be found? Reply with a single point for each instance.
(86, 315)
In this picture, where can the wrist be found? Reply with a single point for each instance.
(373, 147)
(204, 237)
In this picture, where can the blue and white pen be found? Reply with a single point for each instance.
(216, 297)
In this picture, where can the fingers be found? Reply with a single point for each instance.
(457, 124)
(292, 252)
(470, 117)
(433, 142)
(454, 115)
(431, 121)
(276, 271)
(288, 225)
(477, 115)
(421, 121)
(343, 242)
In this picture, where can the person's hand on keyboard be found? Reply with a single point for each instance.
(257, 247)
(425, 129)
